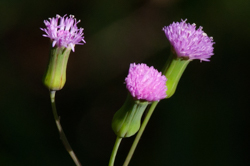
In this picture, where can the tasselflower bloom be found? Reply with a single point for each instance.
(64, 35)
(146, 83)
(63, 31)
(189, 43)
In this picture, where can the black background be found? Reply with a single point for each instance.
(205, 123)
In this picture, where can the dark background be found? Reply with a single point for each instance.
(205, 123)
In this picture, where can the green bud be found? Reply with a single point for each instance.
(55, 76)
(173, 70)
(127, 120)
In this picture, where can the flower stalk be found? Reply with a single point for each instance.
(140, 132)
(114, 151)
(60, 129)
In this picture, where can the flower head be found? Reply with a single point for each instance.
(188, 42)
(63, 31)
(146, 83)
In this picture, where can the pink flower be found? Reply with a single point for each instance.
(146, 83)
(188, 42)
(63, 31)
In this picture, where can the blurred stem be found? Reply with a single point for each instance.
(61, 132)
(114, 152)
(139, 134)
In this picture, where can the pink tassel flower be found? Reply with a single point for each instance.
(187, 42)
(146, 83)
(63, 31)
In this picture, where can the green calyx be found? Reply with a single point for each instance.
(173, 70)
(55, 76)
(127, 120)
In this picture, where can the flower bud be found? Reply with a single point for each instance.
(127, 120)
(173, 71)
(55, 76)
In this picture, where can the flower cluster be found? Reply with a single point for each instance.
(146, 83)
(63, 31)
(188, 42)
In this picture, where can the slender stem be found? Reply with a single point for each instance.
(61, 132)
(139, 134)
(114, 152)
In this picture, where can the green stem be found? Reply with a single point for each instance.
(114, 152)
(61, 132)
(139, 134)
